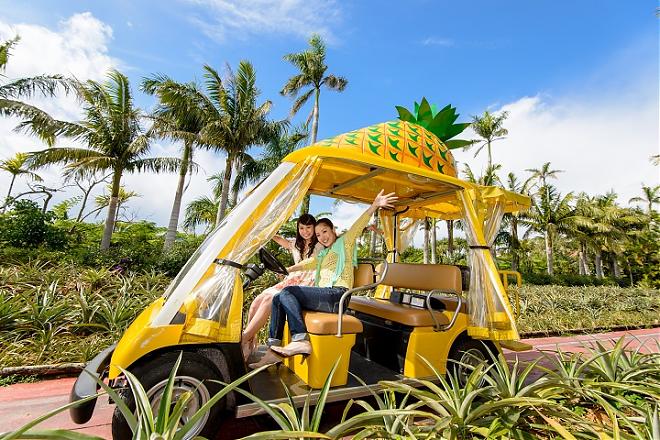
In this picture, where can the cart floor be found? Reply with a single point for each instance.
(267, 385)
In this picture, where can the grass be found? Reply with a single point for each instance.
(17, 378)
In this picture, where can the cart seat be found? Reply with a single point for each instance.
(401, 313)
(364, 273)
(319, 323)
(424, 277)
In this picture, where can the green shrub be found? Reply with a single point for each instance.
(173, 260)
(26, 225)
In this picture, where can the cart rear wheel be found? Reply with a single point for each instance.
(195, 375)
(466, 354)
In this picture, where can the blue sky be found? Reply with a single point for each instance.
(579, 78)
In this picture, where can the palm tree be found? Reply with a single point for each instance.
(112, 134)
(201, 211)
(17, 166)
(279, 145)
(611, 229)
(312, 73)
(513, 220)
(490, 128)
(103, 201)
(650, 196)
(234, 120)
(204, 210)
(541, 175)
(46, 85)
(551, 214)
(490, 177)
(5, 49)
(177, 118)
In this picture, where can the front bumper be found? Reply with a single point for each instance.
(86, 385)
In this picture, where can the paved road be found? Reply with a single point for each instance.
(23, 402)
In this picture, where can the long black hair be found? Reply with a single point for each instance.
(307, 220)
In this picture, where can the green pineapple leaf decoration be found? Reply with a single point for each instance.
(439, 122)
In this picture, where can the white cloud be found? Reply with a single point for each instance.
(601, 143)
(240, 19)
(80, 47)
(344, 214)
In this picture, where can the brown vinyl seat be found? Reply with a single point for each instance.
(424, 277)
(364, 273)
(320, 323)
(401, 313)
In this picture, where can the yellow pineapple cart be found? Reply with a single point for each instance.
(397, 316)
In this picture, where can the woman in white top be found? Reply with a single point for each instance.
(304, 246)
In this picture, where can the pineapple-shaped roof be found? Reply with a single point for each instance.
(398, 141)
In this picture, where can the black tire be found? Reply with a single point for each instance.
(468, 352)
(195, 371)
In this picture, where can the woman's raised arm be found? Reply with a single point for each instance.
(286, 244)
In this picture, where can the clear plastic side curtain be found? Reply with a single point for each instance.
(490, 311)
(405, 234)
(215, 293)
(205, 288)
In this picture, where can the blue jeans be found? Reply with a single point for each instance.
(289, 304)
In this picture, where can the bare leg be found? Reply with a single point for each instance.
(257, 318)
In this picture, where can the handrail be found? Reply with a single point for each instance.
(349, 292)
(438, 327)
(504, 274)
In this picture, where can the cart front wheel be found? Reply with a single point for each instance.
(195, 375)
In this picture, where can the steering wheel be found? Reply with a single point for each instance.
(272, 263)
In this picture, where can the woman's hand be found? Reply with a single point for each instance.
(384, 200)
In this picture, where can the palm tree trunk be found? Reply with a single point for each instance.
(490, 159)
(304, 205)
(630, 274)
(112, 211)
(616, 272)
(598, 264)
(315, 116)
(582, 259)
(225, 189)
(515, 244)
(11, 185)
(434, 242)
(235, 189)
(170, 236)
(450, 238)
(548, 252)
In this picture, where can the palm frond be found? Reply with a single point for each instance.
(155, 165)
(337, 83)
(300, 101)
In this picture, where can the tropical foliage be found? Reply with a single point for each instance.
(609, 391)
(112, 135)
